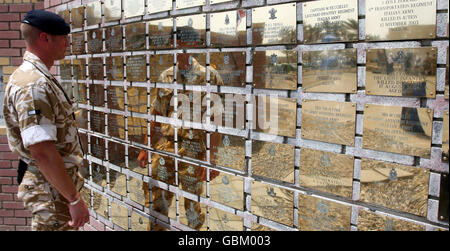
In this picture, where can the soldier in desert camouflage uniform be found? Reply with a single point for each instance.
(41, 128)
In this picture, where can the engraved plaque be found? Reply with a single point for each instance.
(160, 34)
(115, 97)
(116, 153)
(160, 65)
(80, 93)
(228, 28)
(97, 121)
(160, 99)
(95, 41)
(116, 126)
(82, 119)
(394, 20)
(275, 69)
(135, 36)
(330, 71)
(137, 130)
(266, 156)
(395, 186)
(164, 202)
(227, 151)
(192, 178)
(65, 71)
(228, 110)
(78, 43)
(329, 121)
(163, 168)
(191, 31)
(327, 172)
(137, 99)
(99, 174)
(133, 8)
(369, 221)
(65, 14)
(193, 214)
(273, 203)
(100, 205)
(98, 147)
(118, 182)
(398, 129)
(96, 95)
(191, 69)
(113, 39)
(140, 222)
(112, 10)
(79, 68)
(119, 215)
(77, 17)
(445, 129)
(93, 13)
(190, 106)
(182, 4)
(137, 68)
(315, 214)
(271, 114)
(401, 72)
(192, 143)
(155, 6)
(227, 189)
(329, 21)
(114, 68)
(443, 198)
(230, 66)
(137, 160)
(223, 221)
(139, 191)
(95, 66)
(276, 24)
(162, 136)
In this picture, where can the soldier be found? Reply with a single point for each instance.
(41, 128)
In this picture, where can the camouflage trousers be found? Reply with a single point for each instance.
(49, 209)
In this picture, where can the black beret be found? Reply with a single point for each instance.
(47, 22)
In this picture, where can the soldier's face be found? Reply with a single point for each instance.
(59, 43)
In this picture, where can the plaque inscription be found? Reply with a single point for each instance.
(230, 66)
(228, 28)
(160, 34)
(267, 155)
(135, 36)
(137, 68)
(192, 143)
(275, 69)
(192, 178)
(228, 151)
(228, 190)
(94, 41)
(113, 39)
(191, 31)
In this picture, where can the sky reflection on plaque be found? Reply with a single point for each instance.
(228, 28)
(155, 6)
(133, 8)
(93, 13)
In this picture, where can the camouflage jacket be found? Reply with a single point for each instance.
(36, 110)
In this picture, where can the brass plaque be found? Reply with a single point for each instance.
(332, 71)
(65, 70)
(95, 41)
(230, 66)
(191, 31)
(97, 121)
(99, 174)
(273, 203)
(119, 215)
(228, 28)
(192, 143)
(162, 136)
(160, 102)
(190, 106)
(193, 214)
(116, 153)
(114, 68)
(115, 97)
(164, 202)
(135, 36)
(192, 178)
(116, 126)
(137, 68)
(79, 68)
(82, 119)
(191, 69)
(271, 114)
(139, 222)
(113, 39)
(85, 194)
(137, 99)
(398, 129)
(80, 93)
(78, 43)
(160, 64)
(275, 69)
(273, 160)
(329, 21)
(138, 160)
(393, 20)
(228, 190)
(137, 130)
(139, 191)
(407, 72)
(155, 6)
(445, 129)
(95, 66)
(228, 110)
(163, 168)
(133, 8)
(100, 205)
(112, 10)
(369, 221)
(316, 214)
(227, 151)
(160, 34)
(65, 14)
(329, 121)
(395, 186)
(223, 221)
(96, 95)
(443, 198)
(77, 17)
(182, 4)
(326, 172)
(276, 24)
(118, 182)
(93, 13)
(98, 147)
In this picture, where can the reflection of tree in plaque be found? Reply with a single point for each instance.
(275, 69)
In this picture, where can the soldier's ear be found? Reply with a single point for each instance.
(44, 37)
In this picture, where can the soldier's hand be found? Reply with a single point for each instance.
(79, 213)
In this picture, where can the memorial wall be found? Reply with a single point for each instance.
(261, 115)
